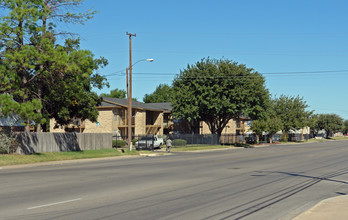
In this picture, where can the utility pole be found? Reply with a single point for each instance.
(129, 90)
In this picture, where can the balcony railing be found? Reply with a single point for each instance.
(124, 121)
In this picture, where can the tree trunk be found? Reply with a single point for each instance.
(39, 93)
(38, 126)
(257, 139)
(27, 126)
(302, 139)
(285, 137)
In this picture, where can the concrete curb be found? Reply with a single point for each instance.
(332, 208)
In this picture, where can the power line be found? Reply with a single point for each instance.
(229, 77)
(266, 73)
(221, 78)
(302, 74)
(119, 73)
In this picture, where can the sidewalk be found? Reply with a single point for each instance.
(333, 208)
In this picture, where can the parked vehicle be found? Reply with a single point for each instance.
(149, 142)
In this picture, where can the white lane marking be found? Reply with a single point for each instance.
(52, 204)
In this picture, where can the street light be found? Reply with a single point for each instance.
(129, 89)
(129, 100)
(148, 60)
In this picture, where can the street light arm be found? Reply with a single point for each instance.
(149, 60)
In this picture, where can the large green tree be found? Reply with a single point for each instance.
(163, 93)
(39, 78)
(116, 93)
(292, 111)
(330, 123)
(216, 91)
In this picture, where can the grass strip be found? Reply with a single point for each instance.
(13, 159)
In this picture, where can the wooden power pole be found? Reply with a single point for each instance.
(129, 90)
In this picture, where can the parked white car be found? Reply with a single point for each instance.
(149, 142)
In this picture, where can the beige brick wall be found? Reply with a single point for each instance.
(105, 119)
(140, 122)
(117, 120)
(60, 129)
(159, 121)
(231, 128)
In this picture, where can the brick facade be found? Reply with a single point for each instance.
(232, 127)
(105, 123)
(140, 122)
(113, 119)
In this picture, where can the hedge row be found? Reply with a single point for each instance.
(179, 142)
(122, 143)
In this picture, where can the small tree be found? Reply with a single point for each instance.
(312, 121)
(329, 123)
(163, 93)
(258, 127)
(273, 126)
(345, 130)
(292, 111)
(270, 123)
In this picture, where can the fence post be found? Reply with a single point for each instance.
(153, 143)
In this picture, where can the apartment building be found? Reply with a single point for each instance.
(147, 118)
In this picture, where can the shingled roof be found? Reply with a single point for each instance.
(164, 106)
(12, 120)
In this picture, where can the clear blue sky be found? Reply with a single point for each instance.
(308, 37)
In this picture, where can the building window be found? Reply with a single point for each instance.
(117, 114)
(238, 123)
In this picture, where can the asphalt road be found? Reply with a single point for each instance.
(277, 182)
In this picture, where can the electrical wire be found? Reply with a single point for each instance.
(320, 73)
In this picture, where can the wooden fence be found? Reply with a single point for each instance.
(59, 142)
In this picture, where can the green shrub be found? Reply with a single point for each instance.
(134, 140)
(162, 136)
(179, 142)
(7, 143)
(119, 143)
